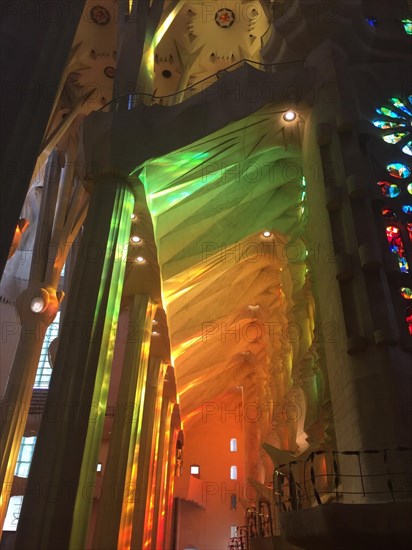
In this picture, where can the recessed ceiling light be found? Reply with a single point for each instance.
(140, 260)
(266, 234)
(133, 216)
(155, 333)
(136, 239)
(289, 116)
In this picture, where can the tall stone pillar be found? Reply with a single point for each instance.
(148, 438)
(37, 307)
(175, 425)
(153, 532)
(57, 504)
(118, 497)
(20, 385)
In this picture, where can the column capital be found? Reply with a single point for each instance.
(39, 303)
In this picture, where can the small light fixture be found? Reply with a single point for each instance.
(37, 304)
(266, 234)
(99, 467)
(140, 260)
(155, 333)
(133, 216)
(289, 116)
(136, 239)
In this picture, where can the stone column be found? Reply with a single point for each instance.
(155, 524)
(118, 497)
(148, 438)
(37, 307)
(56, 508)
(175, 425)
(17, 399)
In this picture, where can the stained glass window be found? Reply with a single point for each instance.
(407, 25)
(371, 21)
(390, 190)
(398, 170)
(388, 213)
(407, 208)
(406, 293)
(395, 123)
(408, 318)
(409, 230)
(393, 235)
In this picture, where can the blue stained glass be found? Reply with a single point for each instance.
(372, 21)
(398, 170)
(407, 208)
(387, 112)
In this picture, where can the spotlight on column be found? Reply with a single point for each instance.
(133, 216)
(289, 116)
(136, 239)
(37, 304)
(266, 234)
(140, 260)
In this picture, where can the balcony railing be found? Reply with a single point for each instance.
(344, 476)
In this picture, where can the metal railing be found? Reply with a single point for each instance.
(240, 541)
(132, 97)
(343, 476)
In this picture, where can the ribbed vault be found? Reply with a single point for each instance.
(234, 298)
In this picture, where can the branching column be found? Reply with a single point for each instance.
(37, 306)
(56, 507)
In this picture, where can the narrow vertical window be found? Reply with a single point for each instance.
(233, 445)
(233, 472)
(25, 456)
(195, 470)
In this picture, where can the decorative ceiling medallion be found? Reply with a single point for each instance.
(109, 72)
(100, 15)
(225, 18)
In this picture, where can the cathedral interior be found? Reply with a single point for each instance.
(206, 292)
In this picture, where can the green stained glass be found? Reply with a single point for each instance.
(406, 293)
(409, 188)
(387, 112)
(398, 103)
(385, 125)
(407, 25)
(393, 138)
